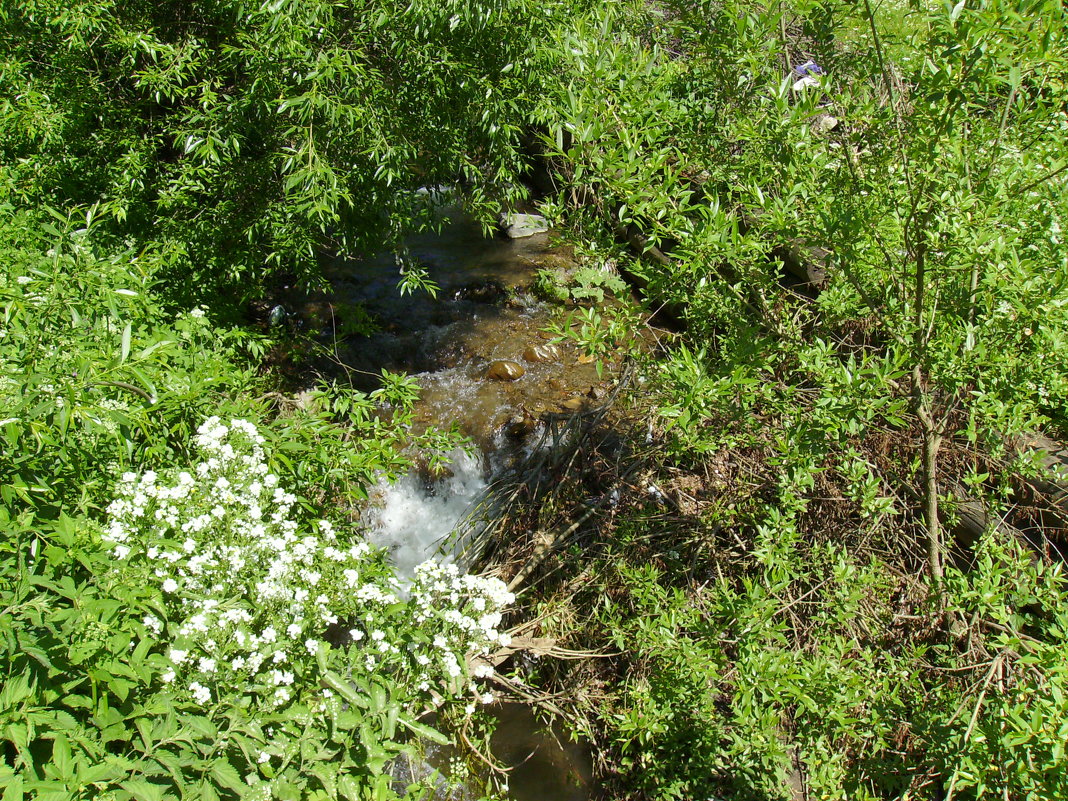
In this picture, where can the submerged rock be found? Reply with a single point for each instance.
(520, 426)
(503, 370)
(518, 226)
(541, 353)
(573, 405)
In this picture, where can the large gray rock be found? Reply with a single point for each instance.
(517, 226)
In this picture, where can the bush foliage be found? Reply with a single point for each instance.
(855, 212)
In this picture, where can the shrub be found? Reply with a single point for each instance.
(211, 643)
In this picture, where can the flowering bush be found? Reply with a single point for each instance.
(173, 659)
(96, 371)
(251, 596)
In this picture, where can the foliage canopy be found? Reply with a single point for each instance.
(157, 155)
(246, 135)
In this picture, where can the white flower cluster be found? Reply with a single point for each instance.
(251, 597)
(452, 614)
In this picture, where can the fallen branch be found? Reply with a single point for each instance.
(1051, 486)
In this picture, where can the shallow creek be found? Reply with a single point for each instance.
(484, 313)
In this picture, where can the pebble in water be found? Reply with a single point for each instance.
(541, 353)
(504, 370)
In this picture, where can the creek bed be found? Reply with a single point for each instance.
(484, 314)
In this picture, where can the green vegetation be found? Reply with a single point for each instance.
(775, 639)
(823, 573)
(242, 136)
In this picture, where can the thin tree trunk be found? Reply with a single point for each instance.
(931, 435)
(932, 441)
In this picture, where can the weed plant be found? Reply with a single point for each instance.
(871, 270)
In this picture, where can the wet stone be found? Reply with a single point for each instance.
(573, 405)
(519, 226)
(278, 316)
(482, 292)
(520, 426)
(504, 370)
(541, 353)
(519, 301)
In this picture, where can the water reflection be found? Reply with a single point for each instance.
(543, 765)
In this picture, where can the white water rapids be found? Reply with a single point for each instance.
(412, 518)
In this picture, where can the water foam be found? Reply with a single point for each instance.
(412, 518)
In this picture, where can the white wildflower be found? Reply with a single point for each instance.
(201, 694)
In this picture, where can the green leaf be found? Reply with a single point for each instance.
(378, 697)
(348, 788)
(202, 726)
(144, 353)
(227, 776)
(126, 334)
(50, 791)
(15, 691)
(141, 790)
(343, 688)
(61, 756)
(14, 790)
(422, 730)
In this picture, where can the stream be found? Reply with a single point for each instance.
(483, 316)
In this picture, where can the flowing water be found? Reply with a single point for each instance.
(412, 517)
(544, 765)
(484, 313)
